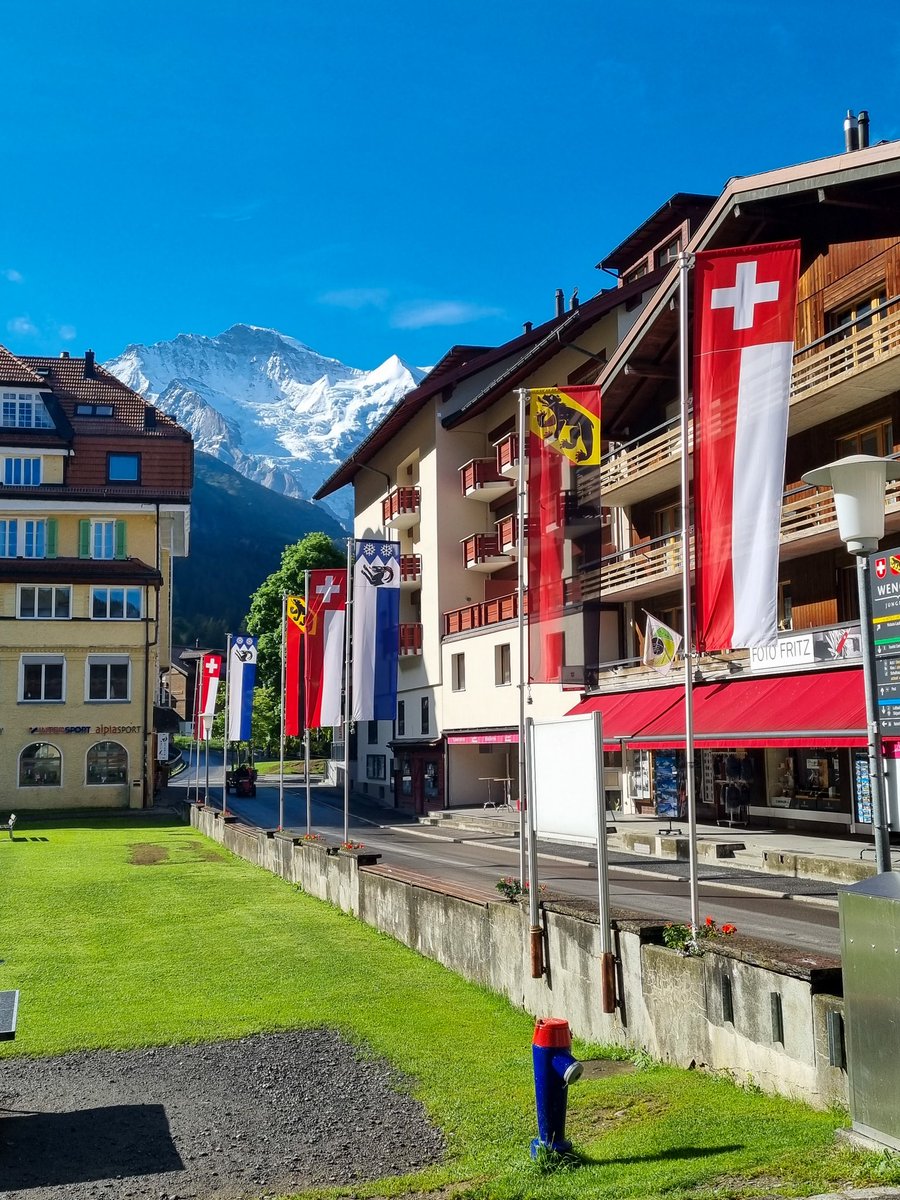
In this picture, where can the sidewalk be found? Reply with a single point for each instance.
(772, 851)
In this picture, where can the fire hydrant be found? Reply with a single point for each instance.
(554, 1070)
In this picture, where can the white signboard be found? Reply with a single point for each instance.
(162, 747)
(565, 778)
(804, 649)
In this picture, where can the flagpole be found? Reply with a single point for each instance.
(198, 671)
(685, 262)
(520, 608)
(536, 939)
(228, 701)
(283, 711)
(306, 704)
(350, 543)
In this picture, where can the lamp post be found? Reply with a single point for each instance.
(858, 483)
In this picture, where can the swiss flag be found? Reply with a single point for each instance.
(744, 307)
(210, 673)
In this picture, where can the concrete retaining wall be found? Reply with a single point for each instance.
(674, 1007)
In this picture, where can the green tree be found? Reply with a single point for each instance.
(314, 551)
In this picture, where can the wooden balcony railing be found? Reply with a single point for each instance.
(480, 476)
(508, 453)
(410, 568)
(508, 535)
(482, 548)
(401, 505)
(488, 612)
(410, 638)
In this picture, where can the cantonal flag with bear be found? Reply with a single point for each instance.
(744, 305)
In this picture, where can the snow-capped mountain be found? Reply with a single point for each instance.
(265, 404)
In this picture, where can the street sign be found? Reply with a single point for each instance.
(884, 591)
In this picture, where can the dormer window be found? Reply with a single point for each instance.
(21, 411)
(668, 253)
(94, 410)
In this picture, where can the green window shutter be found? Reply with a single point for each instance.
(51, 537)
(120, 539)
(84, 539)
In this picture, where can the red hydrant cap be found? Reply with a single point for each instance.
(552, 1032)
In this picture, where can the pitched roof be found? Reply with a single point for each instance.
(13, 371)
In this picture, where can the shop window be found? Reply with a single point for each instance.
(40, 765)
(430, 780)
(458, 672)
(107, 762)
(404, 775)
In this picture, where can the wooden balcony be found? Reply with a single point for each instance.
(480, 480)
(400, 508)
(477, 616)
(832, 376)
(410, 639)
(508, 456)
(410, 570)
(481, 552)
(508, 536)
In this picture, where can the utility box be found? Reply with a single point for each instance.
(870, 957)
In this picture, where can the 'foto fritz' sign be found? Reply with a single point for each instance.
(884, 589)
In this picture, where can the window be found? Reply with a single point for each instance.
(637, 272)
(458, 672)
(669, 252)
(785, 607)
(667, 521)
(372, 733)
(426, 715)
(42, 677)
(18, 411)
(116, 604)
(502, 668)
(34, 543)
(856, 325)
(9, 539)
(375, 766)
(107, 762)
(22, 472)
(108, 678)
(875, 439)
(40, 765)
(401, 718)
(94, 410)
(101, 539)
(45, 603)
(123, 468)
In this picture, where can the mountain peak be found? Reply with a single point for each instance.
(266, 404)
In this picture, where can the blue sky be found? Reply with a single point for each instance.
(379, 178)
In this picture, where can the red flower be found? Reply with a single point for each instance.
(729, 929)
(709, 923)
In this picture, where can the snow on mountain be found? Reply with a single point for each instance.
(265, 404)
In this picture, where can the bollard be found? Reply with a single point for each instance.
(554, 1070)
(11, 824)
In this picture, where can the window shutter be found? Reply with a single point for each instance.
(51, 537)
(120, 539)
(84, 539)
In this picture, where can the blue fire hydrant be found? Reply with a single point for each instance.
(554, 1070)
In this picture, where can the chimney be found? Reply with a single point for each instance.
(573, 300)
(851, 132)
(528, 326)
(89, 364)
(63, 354)
(560, 302)
(149, 417)
(863, 128)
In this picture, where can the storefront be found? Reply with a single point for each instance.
(483, 767)
(785, 750)
(418, 775)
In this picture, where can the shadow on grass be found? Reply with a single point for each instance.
(56, 1149)
(674, 1152)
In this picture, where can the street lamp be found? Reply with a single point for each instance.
(858, 483)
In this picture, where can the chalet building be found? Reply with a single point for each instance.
(94, 506)
(780, 732)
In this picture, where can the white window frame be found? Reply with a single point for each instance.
(503, 665)
(124, 590)
(34, 537)
(55, 589)
(9, 535)
(44, 660)
(103, 538)
(17, 405)
(458, 672)
(108, 661)
(27, 468)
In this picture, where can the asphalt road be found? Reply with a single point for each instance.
(754, 902)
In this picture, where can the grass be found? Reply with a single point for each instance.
(129, 932)
(294, 766)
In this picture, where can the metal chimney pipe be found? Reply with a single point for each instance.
(573, 300)
(863, 128)
(851, 132)
(560, 302)
(528, 326)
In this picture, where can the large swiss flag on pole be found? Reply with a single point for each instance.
(744, 305)
(210, 673)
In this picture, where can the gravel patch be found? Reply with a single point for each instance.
(259, 1116)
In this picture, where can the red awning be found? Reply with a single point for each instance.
(626, 713)
(820, 708)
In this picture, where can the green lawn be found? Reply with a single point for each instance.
(127, 932)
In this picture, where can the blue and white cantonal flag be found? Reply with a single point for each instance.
(241, 681)
(376, 630)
